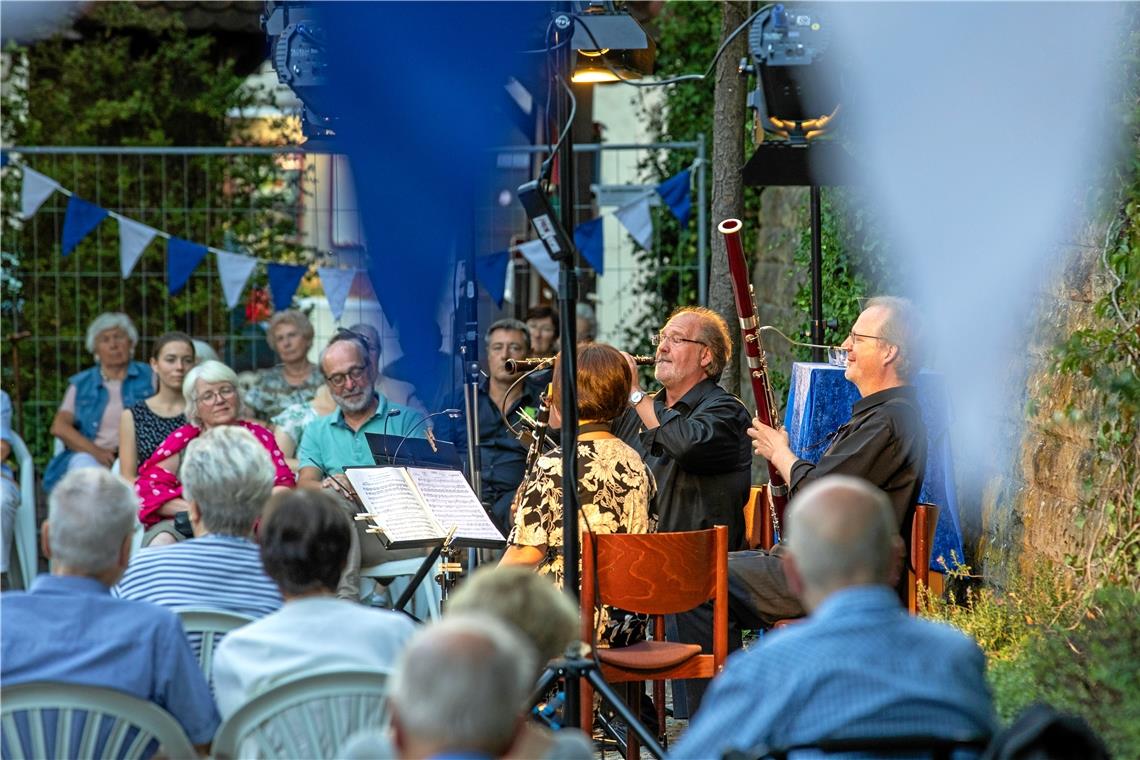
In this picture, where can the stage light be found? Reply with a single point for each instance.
(610, 45)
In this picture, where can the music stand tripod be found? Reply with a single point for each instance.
(577, 665)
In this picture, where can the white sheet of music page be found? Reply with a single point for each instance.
(387, 494)
(453, 503)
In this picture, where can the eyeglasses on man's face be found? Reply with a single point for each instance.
(852, 336)
(673, 339)
(225, 393)
(340, 378)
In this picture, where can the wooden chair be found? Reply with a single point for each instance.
(655, 574)
(310, 716)
(63, 720)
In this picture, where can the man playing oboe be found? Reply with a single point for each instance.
(692, 436)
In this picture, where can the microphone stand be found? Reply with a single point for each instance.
(469, 350)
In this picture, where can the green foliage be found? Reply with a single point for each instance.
(1046, 641)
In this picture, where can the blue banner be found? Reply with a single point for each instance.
(283, 282)
(590, 239)
(82, 217)
(678, 196)
(182, 258)
(491, 273)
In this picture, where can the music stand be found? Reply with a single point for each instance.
(403, 451)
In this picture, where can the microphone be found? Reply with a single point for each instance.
(452, 413)
(527, 365)
(391, 413)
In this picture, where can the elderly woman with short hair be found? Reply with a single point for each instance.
(88, 419)
(295, 380)
(212, 400)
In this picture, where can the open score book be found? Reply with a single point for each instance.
(418, 506)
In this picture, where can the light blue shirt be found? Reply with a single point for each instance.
(330, 445)
(71, 629)
(860, 666)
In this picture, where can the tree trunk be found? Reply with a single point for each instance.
(728, 187)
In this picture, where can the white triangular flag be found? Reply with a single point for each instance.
(133, 238)
(635, 217)
(234, 270)
(337, 283)
(37, 187)
(535, 252)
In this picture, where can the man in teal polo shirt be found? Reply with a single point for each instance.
(338, 440)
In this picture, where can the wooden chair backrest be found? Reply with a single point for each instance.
(921, 545)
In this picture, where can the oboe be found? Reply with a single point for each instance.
(538, 440)
(766, 410)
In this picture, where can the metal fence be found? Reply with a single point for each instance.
(279, 205)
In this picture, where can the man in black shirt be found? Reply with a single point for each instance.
(692, 436)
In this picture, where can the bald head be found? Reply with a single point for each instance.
(841, 532)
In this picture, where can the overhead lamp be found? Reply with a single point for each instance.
(610, 45)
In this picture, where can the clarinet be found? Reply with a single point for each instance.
(538, 438)
(766, 410)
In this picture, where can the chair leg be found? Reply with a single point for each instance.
(659, 703)
(633, 692)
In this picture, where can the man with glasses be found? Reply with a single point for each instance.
(884, 443)
(692, 436)
(338, 440)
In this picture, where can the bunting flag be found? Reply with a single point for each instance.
(491, 273)
(590, 240)
(535, 252)
(676, 193)
(234, 270)
(635, 217)
(182, 258)
(133, 238)
(336, 282)
(283, 282)
(36, 189)
(81, 217)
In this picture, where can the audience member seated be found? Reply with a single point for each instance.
(88, 419)
(9, 488)
(549, 620)
(859, 666)
(146, 424)
(289, 426)
(295, 379)
(339, 440)
(305, 538)
(212, 401)
(227, 478)
(459, 690)
(542, 321)
(614, 484)
(586, 323)
(69, 628)
(501, 456)
(424, 373)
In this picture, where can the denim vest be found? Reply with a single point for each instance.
(91, 401)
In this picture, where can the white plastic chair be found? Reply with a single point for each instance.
(311, 716)
(26, 538)
(205, 629)
(426, 601)
(60, 720)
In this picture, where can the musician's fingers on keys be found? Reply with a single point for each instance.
(633, 385)
(765, 440)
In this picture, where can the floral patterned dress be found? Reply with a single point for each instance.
(614, 488)
(273, 394)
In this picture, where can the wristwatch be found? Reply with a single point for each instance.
(635, 397)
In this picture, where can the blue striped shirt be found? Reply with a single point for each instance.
(211, 572)
(858, 667)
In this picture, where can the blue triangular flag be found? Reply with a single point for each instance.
(590, 240)
(283, 282)
(491, 273)
(182, 258)
(337, 284)
(677, 194)
(82, 217)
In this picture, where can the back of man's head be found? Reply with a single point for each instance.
(229, 475)
(90, 514)
(841, 532)
(461, 686)
(305, 539)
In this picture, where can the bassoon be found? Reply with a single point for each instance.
(766, 410)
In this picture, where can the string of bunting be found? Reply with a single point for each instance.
(235, 269)
(183, 257)
(675, 192)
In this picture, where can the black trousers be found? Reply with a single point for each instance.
(758, 596)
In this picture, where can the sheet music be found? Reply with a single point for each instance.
(387, 494)
(452, 501)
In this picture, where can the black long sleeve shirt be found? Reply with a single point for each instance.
(883, 443)
(700, 456)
